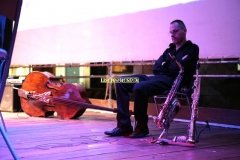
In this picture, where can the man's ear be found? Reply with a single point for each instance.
(185, 30)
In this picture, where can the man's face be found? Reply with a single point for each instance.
(177, 33)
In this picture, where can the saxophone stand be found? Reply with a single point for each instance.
(160, 140)
(177, 140)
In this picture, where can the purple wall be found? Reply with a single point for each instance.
(212, 24)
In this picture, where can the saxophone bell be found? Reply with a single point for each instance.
(175, 107)
(167, 118)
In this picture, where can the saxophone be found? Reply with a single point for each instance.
(169, 111)
(171, 105)
(194, 108)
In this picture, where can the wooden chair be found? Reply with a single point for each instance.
(10, 10)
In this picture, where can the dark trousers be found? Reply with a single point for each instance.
(147, 86)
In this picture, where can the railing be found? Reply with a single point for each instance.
(128, 63)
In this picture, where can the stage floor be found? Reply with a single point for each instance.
(54, 139)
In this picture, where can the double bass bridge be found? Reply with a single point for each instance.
(44, 97)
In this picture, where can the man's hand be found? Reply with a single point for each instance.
(172, 57)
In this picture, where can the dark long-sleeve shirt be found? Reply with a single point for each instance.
(187, 55)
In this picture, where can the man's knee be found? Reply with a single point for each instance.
(139, 89)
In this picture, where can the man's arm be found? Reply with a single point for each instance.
(189, 62)
(160, 62)
(190, 59)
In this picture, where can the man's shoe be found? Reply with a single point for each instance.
(140, 131)
(139, 134)
(119, 131)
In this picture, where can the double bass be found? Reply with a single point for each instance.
(42, 94)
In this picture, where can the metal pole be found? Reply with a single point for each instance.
(219, 76)
(110, 87)
(8, 143)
